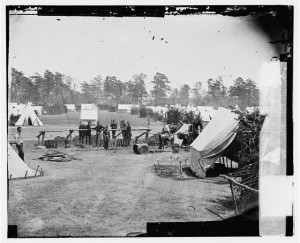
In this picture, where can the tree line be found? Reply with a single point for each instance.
(52, 90)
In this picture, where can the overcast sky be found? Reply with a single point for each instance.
(193, 48)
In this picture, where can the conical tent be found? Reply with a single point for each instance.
(213, 140)
(28, 117)
(17, 167)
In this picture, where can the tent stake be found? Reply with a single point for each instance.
(25, 174)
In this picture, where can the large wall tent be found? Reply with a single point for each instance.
(70, 107)
(89, 112)
(124, 108)
(28, 117)
(213, 140)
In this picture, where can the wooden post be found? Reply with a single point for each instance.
(71, 137)
(233, 197)
(25, 174)
(10, 176)
(180, 170)
(43, 138)
(115, 145)
(155, 168)
(36, 170)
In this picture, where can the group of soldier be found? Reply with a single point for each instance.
(104, 131)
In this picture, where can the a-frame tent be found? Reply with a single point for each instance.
(28, 117)
(213, 140)
(17, 167)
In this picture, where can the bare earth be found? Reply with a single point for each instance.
(107, 193)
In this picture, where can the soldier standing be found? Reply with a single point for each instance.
(106, 138)
(128, 131)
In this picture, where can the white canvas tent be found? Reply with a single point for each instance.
(38, 109)
(28, 115)
(89, 112)
(70, 107)
(212, 141)
(89, 107)
(207, 112)
(17, 167)
(12, 109)
(124, 107)
(183, 129)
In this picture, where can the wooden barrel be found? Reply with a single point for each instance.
(140, 148)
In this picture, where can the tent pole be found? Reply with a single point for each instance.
(25, 174)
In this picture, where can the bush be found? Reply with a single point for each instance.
(143, 111)
(112, 109)
(173, 116)
(135, 110)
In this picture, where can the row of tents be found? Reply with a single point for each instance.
(205, 149)
(27, 113)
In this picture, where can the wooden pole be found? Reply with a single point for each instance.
(239, 184)
(233, 197)
(43, 138)
(10, 176)
(180, 170)
(25, 174)
(71, 137)
(36, 170)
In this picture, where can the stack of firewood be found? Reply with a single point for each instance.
(57, 156)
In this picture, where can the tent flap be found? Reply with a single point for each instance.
(213, 140)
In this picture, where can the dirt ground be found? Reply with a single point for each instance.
(108, 194)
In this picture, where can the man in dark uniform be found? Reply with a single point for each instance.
(128, 131)
(124, 132)
(113, 125)
(88, 133)
(106, 138)
(98, 129)
(19, 142)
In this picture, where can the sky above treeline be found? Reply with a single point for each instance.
(187, 49)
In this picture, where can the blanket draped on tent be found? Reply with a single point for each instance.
(212, 141)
